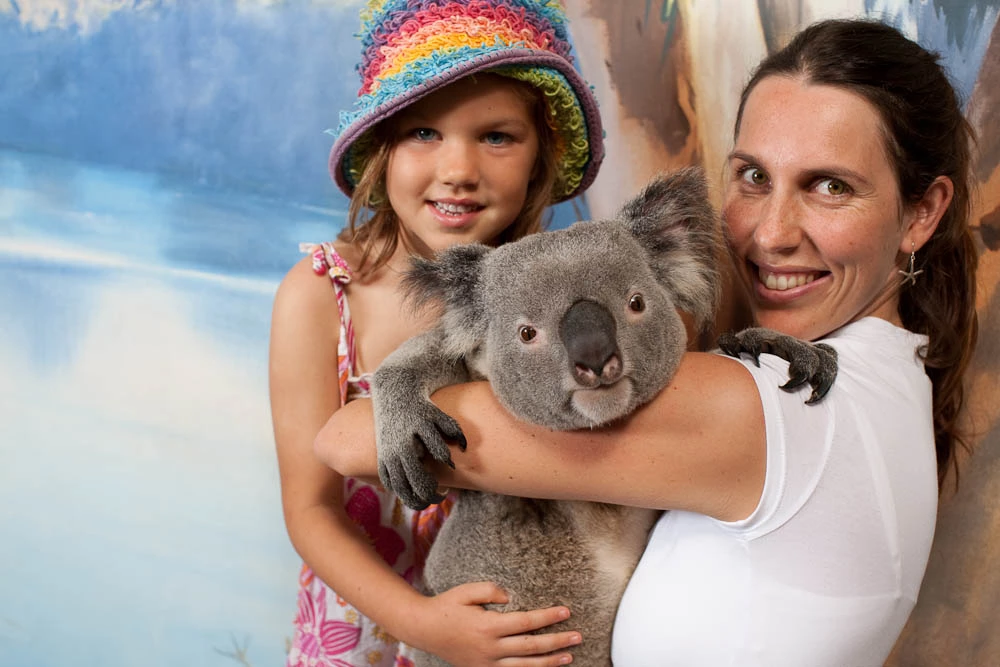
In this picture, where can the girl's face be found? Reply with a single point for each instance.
(461, 163)
(813, 209)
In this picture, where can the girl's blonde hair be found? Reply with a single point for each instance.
(374, 227)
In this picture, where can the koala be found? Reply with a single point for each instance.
(573, 329)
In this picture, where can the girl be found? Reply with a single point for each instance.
(470, 121)
(799, 534)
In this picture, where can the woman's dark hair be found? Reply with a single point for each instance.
(926, 136)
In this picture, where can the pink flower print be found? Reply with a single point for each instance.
(318, 639)
(403, 661)
(365, 509)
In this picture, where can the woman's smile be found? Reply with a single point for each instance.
(804, 186)
(783, 282)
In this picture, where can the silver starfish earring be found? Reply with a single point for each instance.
(910, 276)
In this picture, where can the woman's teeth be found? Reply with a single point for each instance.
(785, 281)
(454, 209)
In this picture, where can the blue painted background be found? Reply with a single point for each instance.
(159, 163)
(222, 94)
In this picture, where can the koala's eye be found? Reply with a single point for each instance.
(527, 333)
(637, 304)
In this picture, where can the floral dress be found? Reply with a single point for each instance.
(328, 631)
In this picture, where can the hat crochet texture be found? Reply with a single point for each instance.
(410, 48)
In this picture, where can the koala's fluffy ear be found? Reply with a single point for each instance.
(451, 278)
(674, 220)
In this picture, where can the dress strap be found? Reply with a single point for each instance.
(326, 259)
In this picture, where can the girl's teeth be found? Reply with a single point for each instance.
(454, 209)
(782, 282)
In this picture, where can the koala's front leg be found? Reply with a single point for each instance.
(408, 425)
(815, 363)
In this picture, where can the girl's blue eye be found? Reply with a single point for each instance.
(423, 133)
(497, 138)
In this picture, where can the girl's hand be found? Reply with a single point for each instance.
(456, 628)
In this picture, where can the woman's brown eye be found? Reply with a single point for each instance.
(754, 176)
(527, 334)
(637, 304)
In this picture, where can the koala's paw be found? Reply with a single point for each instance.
(405, 440)
(815, 363)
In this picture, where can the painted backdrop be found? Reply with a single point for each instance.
(668, 75)
(160, 161)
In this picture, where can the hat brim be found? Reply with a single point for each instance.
(512, 56)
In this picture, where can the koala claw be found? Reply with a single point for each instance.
(815, 363)
(415, 487)
(403, 445)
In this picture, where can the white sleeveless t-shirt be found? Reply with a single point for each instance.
(826, 569)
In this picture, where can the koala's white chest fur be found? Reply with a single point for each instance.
(614, 560)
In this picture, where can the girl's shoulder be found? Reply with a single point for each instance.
(307, 285)
(304, 317)
(334, 259)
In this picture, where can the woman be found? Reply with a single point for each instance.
(800, 533)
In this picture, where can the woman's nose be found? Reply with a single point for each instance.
(778, 227)
(458, 164)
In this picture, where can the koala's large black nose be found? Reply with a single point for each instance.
(589, 333)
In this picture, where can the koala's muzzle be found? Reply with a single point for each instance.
(589, 333)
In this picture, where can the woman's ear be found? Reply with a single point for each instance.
(923, 217)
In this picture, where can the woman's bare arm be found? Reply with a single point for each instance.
(699, 446)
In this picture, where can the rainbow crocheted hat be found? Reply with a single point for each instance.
(410, 48)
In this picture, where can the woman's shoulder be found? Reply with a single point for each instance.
(873, 350)
(725, 389)
(715, 372)
(875, 335)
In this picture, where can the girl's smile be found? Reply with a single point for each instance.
(455, 213)
(462, 161)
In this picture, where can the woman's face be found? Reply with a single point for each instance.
(813, 209)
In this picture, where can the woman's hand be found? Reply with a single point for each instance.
(454, 626)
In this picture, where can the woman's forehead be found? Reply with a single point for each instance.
(788, 122)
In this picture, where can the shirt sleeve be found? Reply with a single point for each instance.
(798, 438)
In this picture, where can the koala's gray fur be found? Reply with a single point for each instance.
(601, 299)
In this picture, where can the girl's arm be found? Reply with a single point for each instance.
(698, 446)
(304, 392)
